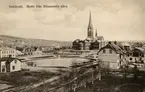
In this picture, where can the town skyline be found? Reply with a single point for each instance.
(115, 20)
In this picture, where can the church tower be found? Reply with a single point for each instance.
(90, 33)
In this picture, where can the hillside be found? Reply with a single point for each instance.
(17, 41)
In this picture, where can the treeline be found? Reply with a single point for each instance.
(17, 41)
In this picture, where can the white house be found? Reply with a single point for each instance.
(112, 55)
(10, 65)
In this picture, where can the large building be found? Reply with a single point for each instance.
(92, 42)
(7, 52)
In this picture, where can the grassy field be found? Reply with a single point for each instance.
(112, 83)
(22, 78)
(107, 84)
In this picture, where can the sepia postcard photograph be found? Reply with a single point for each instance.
(72, 46)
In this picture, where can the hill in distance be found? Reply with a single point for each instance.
(18, 41)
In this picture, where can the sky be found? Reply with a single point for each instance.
(113, 19)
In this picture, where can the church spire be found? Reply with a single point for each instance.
(90, 26)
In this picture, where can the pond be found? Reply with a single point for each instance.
(47, 63)
(62, 62)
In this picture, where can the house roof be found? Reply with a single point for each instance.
(19, 52)
(137, 49)
(115, 47)
(141, 49)
(7, 59)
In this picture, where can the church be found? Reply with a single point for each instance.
(92, 42)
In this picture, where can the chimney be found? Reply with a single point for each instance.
(115, 42)
(109, 42)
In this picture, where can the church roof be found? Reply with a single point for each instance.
(100, 37)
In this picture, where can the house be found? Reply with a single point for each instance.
(37, 51)
(112, 55)
(19, 53)
(10, 64)
(32, 51)
(136, 55)
(47, 49)
(126, 46)
(6, 52)
(28, 50)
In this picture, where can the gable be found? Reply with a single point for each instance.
(107, 51)
(15, 61)
(116, 48)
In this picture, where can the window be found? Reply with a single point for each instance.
(3, 52)
(15, 61)
(141, 54)
(135, 60)
(13, 67)
(110, 51)
(104, 51)
(135, 54)
(9, 55)
(130, 58)
(131, 54)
